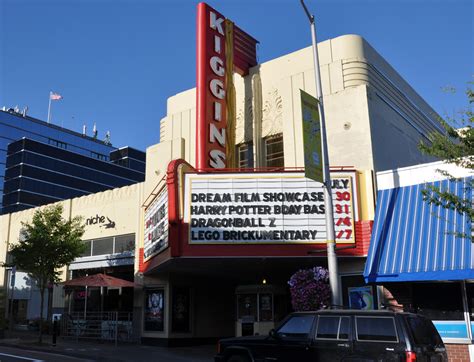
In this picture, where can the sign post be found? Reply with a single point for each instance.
(12, 286)
(331, 245)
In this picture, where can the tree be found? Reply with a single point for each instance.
(45, 245)
(456, 146)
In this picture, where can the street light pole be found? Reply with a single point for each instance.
(331, 245)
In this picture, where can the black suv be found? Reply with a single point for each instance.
(337, 335)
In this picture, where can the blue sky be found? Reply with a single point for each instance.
(117, 62)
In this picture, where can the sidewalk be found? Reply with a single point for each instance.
(104, 351)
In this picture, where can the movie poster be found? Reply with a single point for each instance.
(361, 298)
(180, 310)
(154, 310)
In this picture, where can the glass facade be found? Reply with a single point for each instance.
(37, 174)
(14, 126)
(129, 157)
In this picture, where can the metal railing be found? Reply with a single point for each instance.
(105, 326)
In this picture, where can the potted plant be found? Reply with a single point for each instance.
(310, 289)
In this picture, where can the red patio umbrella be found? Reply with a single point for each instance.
(97, 280)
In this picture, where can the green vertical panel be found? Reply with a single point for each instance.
(313, 161)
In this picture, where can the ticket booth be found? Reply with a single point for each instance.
(256, 309)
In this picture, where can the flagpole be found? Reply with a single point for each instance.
(49, 106)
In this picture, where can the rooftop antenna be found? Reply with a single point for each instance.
(84, 130)
(94, 131)
(107, 138)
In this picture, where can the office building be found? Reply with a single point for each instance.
(16, 125)
(38, 174)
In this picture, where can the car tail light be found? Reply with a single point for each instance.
(410, 356)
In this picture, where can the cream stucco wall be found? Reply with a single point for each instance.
(121, 205)
(158, 157)
(370, 109)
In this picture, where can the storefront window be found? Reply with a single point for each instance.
(180, 309)
(443, 304)
(247, 307)
(470, 303)
(438, 301)
(266, 307)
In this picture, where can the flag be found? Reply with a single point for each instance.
(55, 96)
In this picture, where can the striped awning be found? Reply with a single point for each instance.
(413, 240)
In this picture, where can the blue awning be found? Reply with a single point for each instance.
(413, 240)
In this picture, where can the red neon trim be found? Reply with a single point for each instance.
(201, 73)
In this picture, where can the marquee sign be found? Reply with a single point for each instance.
(156, 225)
(267, 208)
(215, 37)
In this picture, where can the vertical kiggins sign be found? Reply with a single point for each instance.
(215, 64)
(211, 89)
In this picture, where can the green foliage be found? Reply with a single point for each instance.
(48, 243)
(456, 146)
(45, 245)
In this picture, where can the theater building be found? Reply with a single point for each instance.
(220, 224)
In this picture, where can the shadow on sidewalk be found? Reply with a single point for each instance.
(107, 351)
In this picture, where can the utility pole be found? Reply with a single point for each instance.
(331, 242)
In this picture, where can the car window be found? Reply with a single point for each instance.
(376, 329)
(424, 332)
(296, 326)
(344, 328)
(332, 327)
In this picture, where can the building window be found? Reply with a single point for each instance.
(106, 246)
(99, 156)
(124, 243)
(103, 246)
(274, 151)
(57, 143)
(245, 155)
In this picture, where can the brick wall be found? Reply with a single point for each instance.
(458, 352)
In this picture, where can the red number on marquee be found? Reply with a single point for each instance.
(341, 233)
(343, 196)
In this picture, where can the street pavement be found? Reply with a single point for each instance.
(24, 347)
(15, 354)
